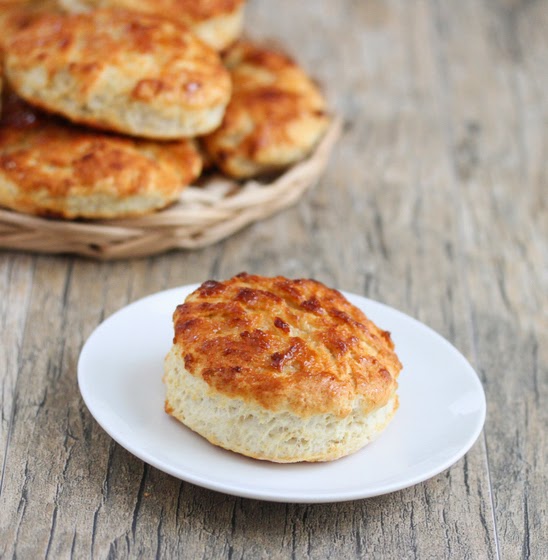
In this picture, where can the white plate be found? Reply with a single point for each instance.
(441, 414)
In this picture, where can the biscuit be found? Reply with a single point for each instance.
(52, 168)
(119, 70)
(275, 117)
(218, 23)
(281, 370)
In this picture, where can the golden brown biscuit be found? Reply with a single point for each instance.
(278, 369)
(216, 22)
(119, 70)
(51, 168)
(275, 117)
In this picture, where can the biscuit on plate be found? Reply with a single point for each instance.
(52, 168)
(281, 370)
(217, 23)
(120, 70)
(275, 118)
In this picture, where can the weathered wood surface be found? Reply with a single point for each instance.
(434, 202)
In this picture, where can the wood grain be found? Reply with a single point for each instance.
(434, 203)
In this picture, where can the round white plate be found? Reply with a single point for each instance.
(441, 414)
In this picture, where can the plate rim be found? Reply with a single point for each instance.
(291, 496)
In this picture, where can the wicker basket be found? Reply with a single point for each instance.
(202, 216)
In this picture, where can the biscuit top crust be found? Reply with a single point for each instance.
(143, 57)
(200, 10)
(45, 156)
(18, 14)
(188, 11)
(265, 79)
(286, 345)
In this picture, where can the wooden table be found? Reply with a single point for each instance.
(434, 203)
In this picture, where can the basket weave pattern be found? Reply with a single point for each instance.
(202, 216)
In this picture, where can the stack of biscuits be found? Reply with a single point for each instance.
(110, 108)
